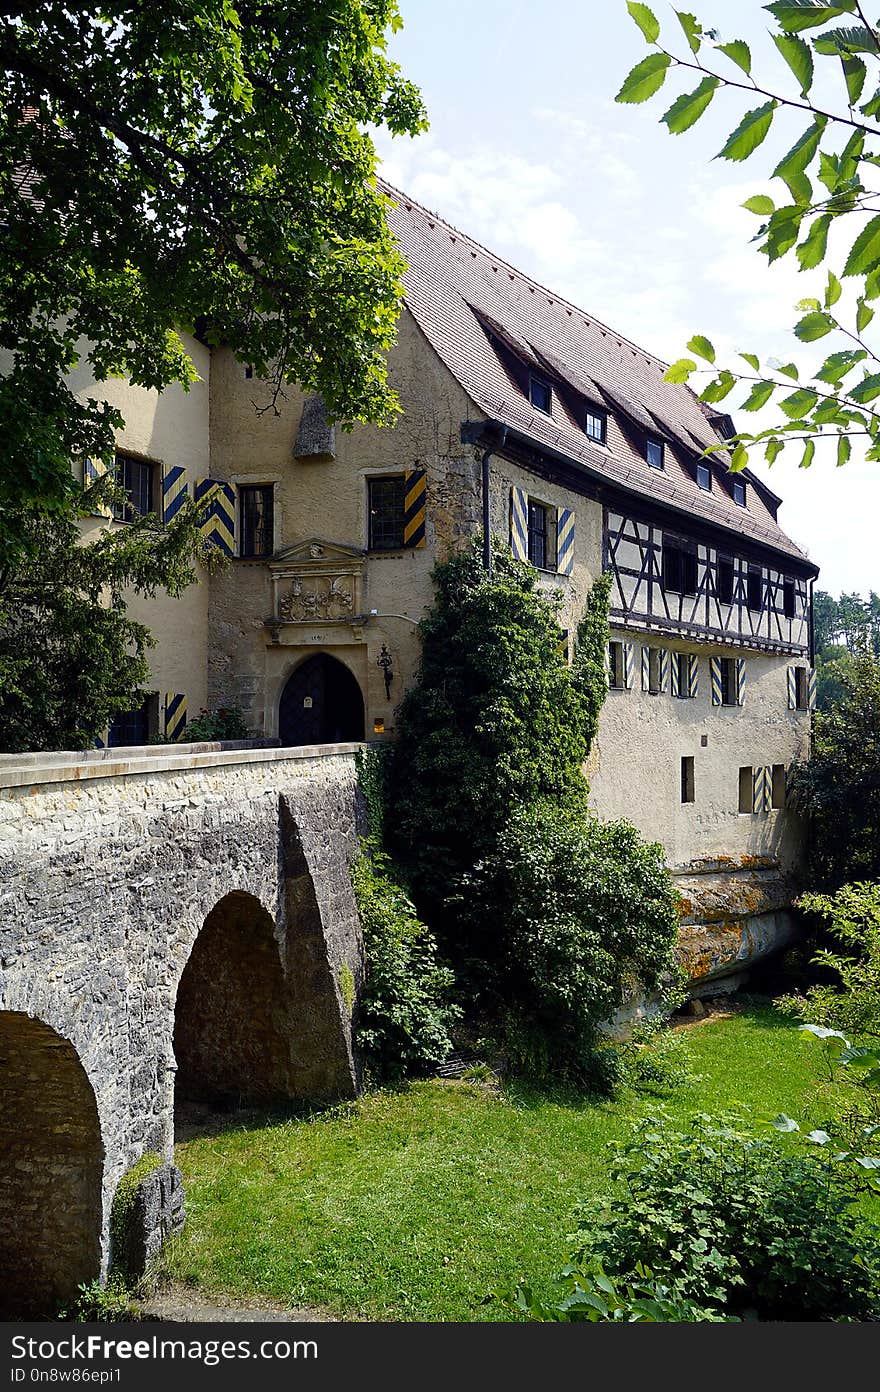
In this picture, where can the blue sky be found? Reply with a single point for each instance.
(529, 153)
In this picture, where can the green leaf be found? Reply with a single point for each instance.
(864, 315)
(792, 165)
(693, 31)
(759, 396)
(844, 450)
(798, 57)
(719, 388)
(752, 360)
(865, 253)
(645, 79)
(835, 367)
(794, 15)
(872, 285)
(813, 326)
(702, 347)
(680, 371)
(689, 107)
(808, 454)
(738, 52)
(773, 449)
(749, 134)
(784, 1123)
(783, 231)
(739, 459)
(811, 251)
(854, 72)
(833, 290)
(798, 403)
(760, 204)
(854, 38)
(789, 370)
(867, 390)
(645, 19)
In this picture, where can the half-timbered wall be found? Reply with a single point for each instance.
(634, 553)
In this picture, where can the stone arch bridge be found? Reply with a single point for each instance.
(172, 921)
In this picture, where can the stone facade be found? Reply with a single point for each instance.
(120, 877)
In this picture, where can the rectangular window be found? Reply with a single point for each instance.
(788, 598)
(654, 671)
(738, 492)
(654, 453)
(540, 395)
(387, 502)
(682, 665)
(595, 425)
(777, 795)
(724, 581)
(679, 569)
(616, 678)
(257, 506)
(704, 478)
(138, 479)
(755, 588)
(728, 681)
(746, 789)
(687, 779)
(135, 726)
(542, 531)
(801, 689)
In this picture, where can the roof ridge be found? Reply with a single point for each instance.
(552, 295)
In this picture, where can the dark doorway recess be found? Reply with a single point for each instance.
(51, 1168)
(321, 704)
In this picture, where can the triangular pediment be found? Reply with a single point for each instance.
(318, 552)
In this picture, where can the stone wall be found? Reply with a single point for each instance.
(109, 869)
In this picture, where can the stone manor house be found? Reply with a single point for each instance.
(586, 460)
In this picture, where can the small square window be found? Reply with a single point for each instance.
(616, 677)
(687, 779)
(746, 789)
(788, 598)
(540, 395)
(135, 726)
(248, 372)
(654, 453)
(738, 492)
(724, 580)
(595, 425)
(387, 501)
(777, 795)
(704, 478)
(755, 588)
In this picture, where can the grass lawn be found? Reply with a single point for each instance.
(414, 1205)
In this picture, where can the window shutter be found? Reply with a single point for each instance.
(519, 524)
(792, 688)
(628, 665)
(94, 469)
(740, 681)
(693, 675)
(175, 714)
(175, 491)
(565, 541)
(218, 522)
(664, 670)
(646, 668)
(762, 786)
(415, 509)
(715, 676)
(674, 674)
(811, 688)
(608, 664)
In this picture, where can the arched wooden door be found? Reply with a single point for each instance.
(321, 704)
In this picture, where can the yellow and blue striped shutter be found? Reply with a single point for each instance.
(693, 675)
(415, 507)
(762, 789)
(646, 668)
(562, 645)
(175, 714)
(628, 666)
(740, 681)
(175, 491)
(674, 673)
(565, 541)
(664, 669)
(218, 523)
(715, 677)
(94, 469)
(519, 524)
(792, 688)
(811, 688)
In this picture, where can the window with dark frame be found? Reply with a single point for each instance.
(777, 794)
(541, 549)
(738, 492)
(724, 580)
(746, 789)
(654, 671)
(137, 477)
(755, 588)
(596, 425)
(615, 666)
(540, 395)
(679, 569)
(687, 778)
(728, 681)
(788, 597)
(682, 662)
(134, 726)
(257, 511)
(801, 689)
(654, 452)
(387, 505)
(704, 478)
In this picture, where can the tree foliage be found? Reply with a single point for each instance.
(843, 629)
(826, 175)
(200, 166)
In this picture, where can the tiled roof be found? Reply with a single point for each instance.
(460, 294)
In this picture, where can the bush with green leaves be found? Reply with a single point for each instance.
(852, 1001)
(746, 1226)
(592, 1296)
(224, 723)
(655, 1058)
(405, 1010)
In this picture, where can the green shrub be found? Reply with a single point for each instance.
(97, 1303)
(739, 1224)
(374, 771)
(226, 723)
(405, 1009)
(592, 1296)
(655, 1058)
(852, 1003)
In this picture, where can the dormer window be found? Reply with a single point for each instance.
(738, 492)
(540, 395)
(595, 425)
(704, 478)
(654, 452)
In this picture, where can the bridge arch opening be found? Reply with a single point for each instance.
(321, 704)
(51, 1170)
(231, 1020)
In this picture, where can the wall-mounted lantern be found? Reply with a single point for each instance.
(386, 662)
